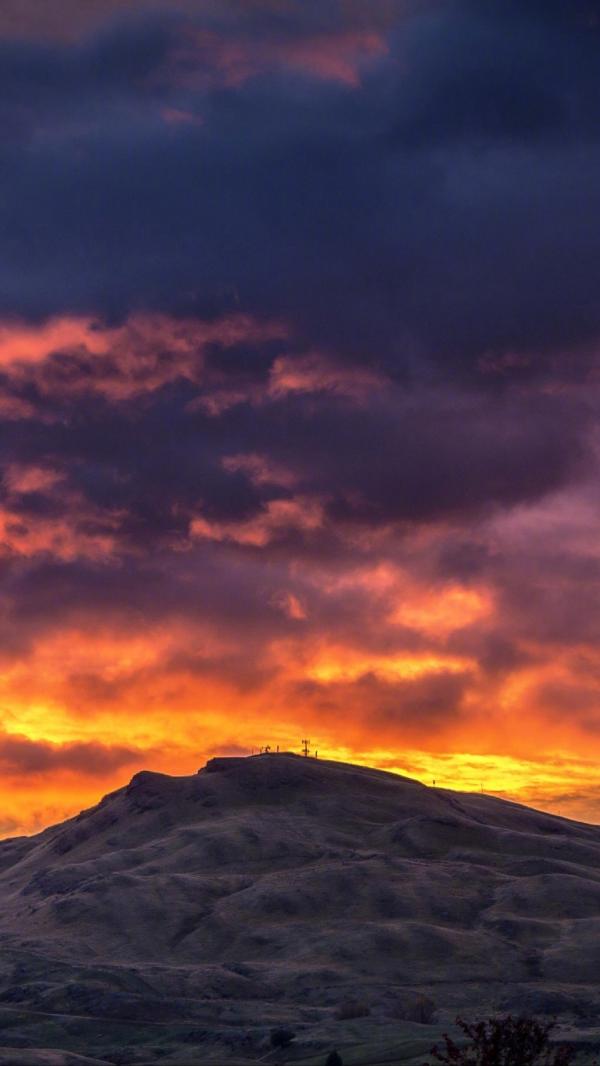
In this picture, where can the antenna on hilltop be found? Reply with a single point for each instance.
(305, 748)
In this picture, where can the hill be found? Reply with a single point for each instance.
(181, 919)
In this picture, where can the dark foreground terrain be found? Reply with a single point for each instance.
(182, 919)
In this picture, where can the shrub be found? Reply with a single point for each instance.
(282, 1037)
(504, 1042)
(351, 1008)
(334, 1059)
(413, 1008)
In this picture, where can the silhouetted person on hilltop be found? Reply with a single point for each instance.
(334, 1059)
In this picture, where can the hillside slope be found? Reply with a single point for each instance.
(198, 912)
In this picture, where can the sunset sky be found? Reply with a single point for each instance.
(299, 318)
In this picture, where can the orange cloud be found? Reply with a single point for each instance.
(338, 58)
(291, 605)
(376, 660)
(55, 536)
(22, 343)
(442, 610)
(164, 696)
(259, 469)
(337, 664)
(205, 56)
(20, 478)
(143, 354)
(79, 530)
(82, 355)
(313, 372)
(277, 517)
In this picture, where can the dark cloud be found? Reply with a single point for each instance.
(19, 755)
(240, 18)
(144, 470)
(401, 707)
(311, 318)
(441, 214)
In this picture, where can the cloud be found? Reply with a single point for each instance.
(268, 447)
(78, 356)
(424, 203)
(246, 20)
(20, 755)
(379, 711)
(298, 383)
(277, 518)
(312, 373)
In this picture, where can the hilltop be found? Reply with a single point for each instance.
(187, 916)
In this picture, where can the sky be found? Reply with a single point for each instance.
(299, 319)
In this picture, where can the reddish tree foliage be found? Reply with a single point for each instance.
(504, 1042)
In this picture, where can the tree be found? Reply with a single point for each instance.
(282, 1037)
(504, 1042)
(334, 1059)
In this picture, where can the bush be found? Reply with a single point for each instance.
(413, 1008)
(334, 1059)
(504, 1042)
(282, 1037)
(352, 1008)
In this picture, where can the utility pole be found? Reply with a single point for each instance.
(305, 748)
